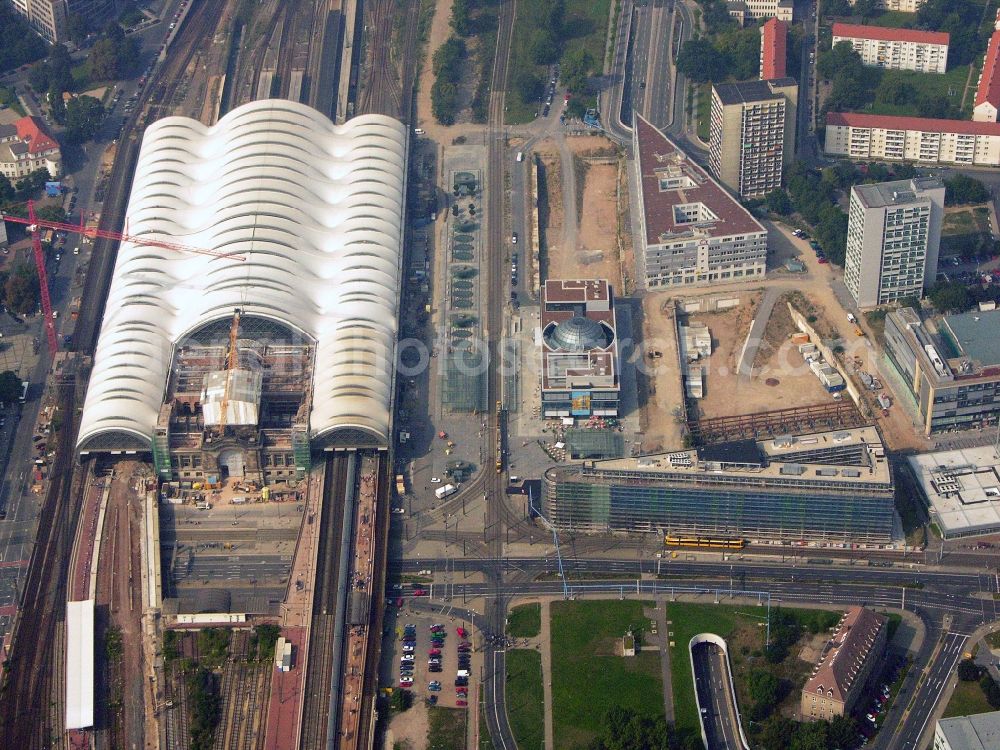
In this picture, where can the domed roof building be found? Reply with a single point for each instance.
(580, 369)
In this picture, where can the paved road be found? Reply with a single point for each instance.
(929, 691)
(719, 716)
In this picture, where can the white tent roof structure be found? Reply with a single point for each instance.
(315, 212)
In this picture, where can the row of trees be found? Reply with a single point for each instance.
(732, 53)
(814, 198)
(447, 67)
(19, 45)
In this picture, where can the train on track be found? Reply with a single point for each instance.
(703, 542)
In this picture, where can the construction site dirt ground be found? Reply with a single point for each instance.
(589, 250)
(780, 378)
(660, 394)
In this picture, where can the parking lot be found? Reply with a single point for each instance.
(429, 655)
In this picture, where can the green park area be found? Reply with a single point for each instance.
(966, 231)
(975, 692)
(525, 621)
(525, 697)
(590, 677)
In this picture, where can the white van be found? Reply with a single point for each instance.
(418, 131)
(520, 156)
(462, 673)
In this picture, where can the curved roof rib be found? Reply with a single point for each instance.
(316, 211)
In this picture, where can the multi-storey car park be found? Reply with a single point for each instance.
(950, 366)
(833, 487)
(693, 231)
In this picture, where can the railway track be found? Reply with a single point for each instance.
(323, 624)
(382, 92)
(36, 669)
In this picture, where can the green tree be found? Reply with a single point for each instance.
(962, 189)
(700, 61)
(894, 91)
(51, 213)
(868, 9)
(909, 301)
(837, 8)
(843, 733)
(21, 289)
(447, 60)
(950, 296)
(10, 387)
(544, 48)
(461, 18)
(841, 58)
(76, 28)
(765, 692)
(84, 116)
(577, 65)
(990, 689)
(778, 202)
(740, 51)
(18, 44)
(528, 86)
(444, 101)
(968, 671)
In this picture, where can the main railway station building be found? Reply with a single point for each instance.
(271, 332)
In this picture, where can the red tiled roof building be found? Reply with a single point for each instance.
(773, 43)
(26, 146)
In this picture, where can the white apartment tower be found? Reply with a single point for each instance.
(893, 236)
(752, 134)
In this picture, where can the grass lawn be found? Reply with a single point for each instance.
(447, 728)
(892, 19)
(586, 26)
(951, 85)
(587, 676)
(968, 698)
(993, 639)
(525, 621)
(704, 110)
(742, 629)
(965, 230)
(525, 699)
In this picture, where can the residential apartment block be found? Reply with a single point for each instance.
(579, 348)
(48, 17)
(773, 46)
(904, 6)
(987, 101)
(951, 367)
(752, 10)
(834, 486)
(752, 134)
(26, 146)
(850, 657)
(896, 49)
(693, 231)
(975, 732)
(893, 236)
(864, 137)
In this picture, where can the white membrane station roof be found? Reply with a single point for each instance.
(303, 221)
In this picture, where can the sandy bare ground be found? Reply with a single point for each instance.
(409, 729)
(594, 252)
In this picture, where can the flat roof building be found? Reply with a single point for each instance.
(80, 648)
(950, 366)
(579, 346)
(773, 49)
(833, 487)
(693, 231)
(893, 238)
(896, 49)
(864, 137)
(961, 488)
(300, 224)
(849, 658)
(752, 134)
(974, 732)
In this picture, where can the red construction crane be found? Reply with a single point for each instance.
(35, 225)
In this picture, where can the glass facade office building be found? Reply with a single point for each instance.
(790, 501)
